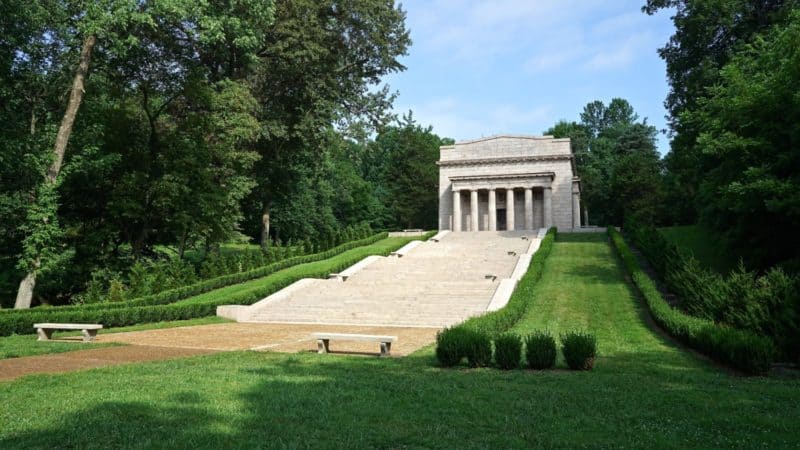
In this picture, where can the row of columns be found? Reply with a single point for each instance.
(473, 206)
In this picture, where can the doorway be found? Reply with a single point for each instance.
(501, 219)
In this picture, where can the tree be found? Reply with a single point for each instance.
(617, 161)
(409, 181)
(749, 126)
(707, 34)
(147, 64)
(318, 67)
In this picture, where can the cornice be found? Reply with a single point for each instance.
(503, 160)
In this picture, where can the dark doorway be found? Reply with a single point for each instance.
(501, 220)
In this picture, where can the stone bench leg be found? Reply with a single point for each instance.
(386, 347)
(44, 334)
(322, 345)
(88, 335)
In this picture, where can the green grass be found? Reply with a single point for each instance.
(706, 247)
(643, 392)
(383, 246)
(17, 346)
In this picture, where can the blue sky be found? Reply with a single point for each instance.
(478, 68)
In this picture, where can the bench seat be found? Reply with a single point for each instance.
(323, 340)
(45, 330)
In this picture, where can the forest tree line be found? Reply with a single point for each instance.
(132, 131)
(734, 129)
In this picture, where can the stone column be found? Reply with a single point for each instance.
(492, 211)
(576, 210)
(473, 210)
(528, 208)
(456, 210)
(548, 207)
(510, 209)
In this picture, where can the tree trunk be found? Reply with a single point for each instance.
(25, 292)
(265, 228)
(75, 98)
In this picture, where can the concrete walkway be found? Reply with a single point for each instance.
(435, 284)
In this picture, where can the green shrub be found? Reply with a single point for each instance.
(451, 345)
(540, 350)
(742, 349)
(478, 348)
(766, 304)
(507, 351)
(579, 349)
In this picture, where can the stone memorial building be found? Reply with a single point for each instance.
(508, 183)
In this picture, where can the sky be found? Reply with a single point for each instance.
(480, 68)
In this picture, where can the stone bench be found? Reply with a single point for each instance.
(45, 330)
(323, 340)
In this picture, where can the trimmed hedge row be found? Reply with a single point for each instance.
(458, 343)
(500, 321)
(132, 315)
(748, 352)
(180, 293)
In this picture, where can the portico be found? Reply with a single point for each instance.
(504, 183)
(493, 203)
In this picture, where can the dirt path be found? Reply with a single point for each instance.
(170, 343)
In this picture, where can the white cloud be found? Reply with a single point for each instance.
(453, 118)
(538, 36)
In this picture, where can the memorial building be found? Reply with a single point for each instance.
(508, 182)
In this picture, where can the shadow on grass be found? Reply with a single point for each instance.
(272, 400)
(595, 273)
(582, 237)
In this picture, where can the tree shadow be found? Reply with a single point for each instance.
(582, 237)
(306, 401)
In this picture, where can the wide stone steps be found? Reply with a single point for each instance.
(436, 284)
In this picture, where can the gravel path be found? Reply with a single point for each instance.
(170, 343)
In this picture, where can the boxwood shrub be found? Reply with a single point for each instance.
(744, 350)
(540, 350)
(579, 349)
(507, 351)
(451, 345)
(478, 349)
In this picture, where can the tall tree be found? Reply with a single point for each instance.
(410, 178)
(320, 66)
(707, 34)
(617, 161)
(749, 131)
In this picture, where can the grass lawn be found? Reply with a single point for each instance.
(26, 344)
(706, 247)
(644, 392)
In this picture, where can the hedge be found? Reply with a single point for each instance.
(746, 351)
(126, 314)
(180, 293)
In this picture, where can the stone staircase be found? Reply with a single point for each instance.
(436, 284)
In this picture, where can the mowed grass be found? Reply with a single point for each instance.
(704, 245)
(644, 391)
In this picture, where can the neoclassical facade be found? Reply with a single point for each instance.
(508, 183)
